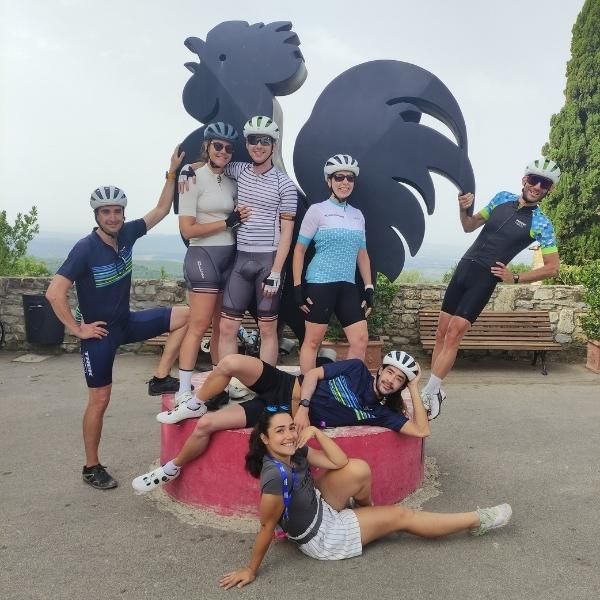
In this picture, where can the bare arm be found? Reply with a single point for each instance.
(364, 266)
(549, 269)
(285, 241)
(190, 228)
(56, 294)
(419, 425)
(298, 262)
(469, 223)
(162, 208)
(331, 456)
(271, 507)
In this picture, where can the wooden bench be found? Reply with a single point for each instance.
(518, 330)
(248, 322)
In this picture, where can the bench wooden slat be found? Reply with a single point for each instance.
(519, 330)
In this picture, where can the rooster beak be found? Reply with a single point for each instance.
(195, 45)
(190, 66)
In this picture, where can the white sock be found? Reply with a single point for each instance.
(433, 385)
(170, 468)
(193, 403)
(185, 380)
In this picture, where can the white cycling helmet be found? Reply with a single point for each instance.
(544, 167)
(340, 162)
(108, 195)
(403, 361)
(261, 125)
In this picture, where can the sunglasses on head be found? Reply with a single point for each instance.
(339, 178)
(218, 146)
(263, 140)
(277, 408)
(544, 182)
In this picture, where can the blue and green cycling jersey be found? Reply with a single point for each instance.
(509, 229)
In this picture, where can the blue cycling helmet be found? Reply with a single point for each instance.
(220, 131)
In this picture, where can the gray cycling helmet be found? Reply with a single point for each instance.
(403, 361)
(544, 167)
(108, 195)
(220, 131)
(340, 162)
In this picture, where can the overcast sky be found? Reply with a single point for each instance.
(91, 91)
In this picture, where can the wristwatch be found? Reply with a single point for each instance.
(515, 278)
(304, 402)
(170, 175)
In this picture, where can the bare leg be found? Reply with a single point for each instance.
(353, 480)
(216, 333)
(447, 340)
(246, 368)
(177, 331)
(358, 337)
(377, 521)
(232, 417)
(202, 309)
(228, 330)
(98, 399)
(314, 334)
(269, 342)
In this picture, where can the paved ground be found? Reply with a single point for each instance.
(505, 434)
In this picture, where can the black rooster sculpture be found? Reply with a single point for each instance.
(371, 111)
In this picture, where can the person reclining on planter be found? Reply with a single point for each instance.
(337, 394)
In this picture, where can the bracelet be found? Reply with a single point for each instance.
(170, 175)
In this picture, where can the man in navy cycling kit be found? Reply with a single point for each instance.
(510, 223)
(337, 394)
(100, 265)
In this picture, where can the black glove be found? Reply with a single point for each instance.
(299, 295)
(370, 297)
(233, 220)
(186, 173)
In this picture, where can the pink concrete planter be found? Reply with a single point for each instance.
(218, 482)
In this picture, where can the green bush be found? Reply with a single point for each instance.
(590, 276)
(512, 267)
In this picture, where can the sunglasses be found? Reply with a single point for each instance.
(263, 140)
(218, 146)
(349, 178)
(277, 408)
(545, 183)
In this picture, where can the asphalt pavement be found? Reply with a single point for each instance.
(506, 434)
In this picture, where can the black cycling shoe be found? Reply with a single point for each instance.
(158, 387)
(98, 477)
(215, 403)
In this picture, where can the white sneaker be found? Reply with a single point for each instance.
(236, 389)
(180, 413)
(492, 518)
(433, 403)
(150, 481)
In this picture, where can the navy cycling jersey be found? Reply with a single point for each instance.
(510, 229)
(346, 397)
(102, 276)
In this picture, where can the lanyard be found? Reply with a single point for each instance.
(287, 490)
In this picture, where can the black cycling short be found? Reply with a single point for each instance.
(469, 290)
(340, 298)
(273, 388)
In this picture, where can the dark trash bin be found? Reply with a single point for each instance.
(41, 324)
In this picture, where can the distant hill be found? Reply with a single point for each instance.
(156, 251)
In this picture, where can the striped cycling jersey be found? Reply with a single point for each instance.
(102, 276)
(338, 231)
(510, 228)
(268, 196)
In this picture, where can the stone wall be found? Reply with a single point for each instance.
(564, 303)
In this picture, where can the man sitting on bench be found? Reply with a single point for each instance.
(337, 394)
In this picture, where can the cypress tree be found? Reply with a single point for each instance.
(574, 206)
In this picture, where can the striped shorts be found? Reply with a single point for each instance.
(338, 536)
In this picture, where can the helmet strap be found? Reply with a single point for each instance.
(258, 164)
